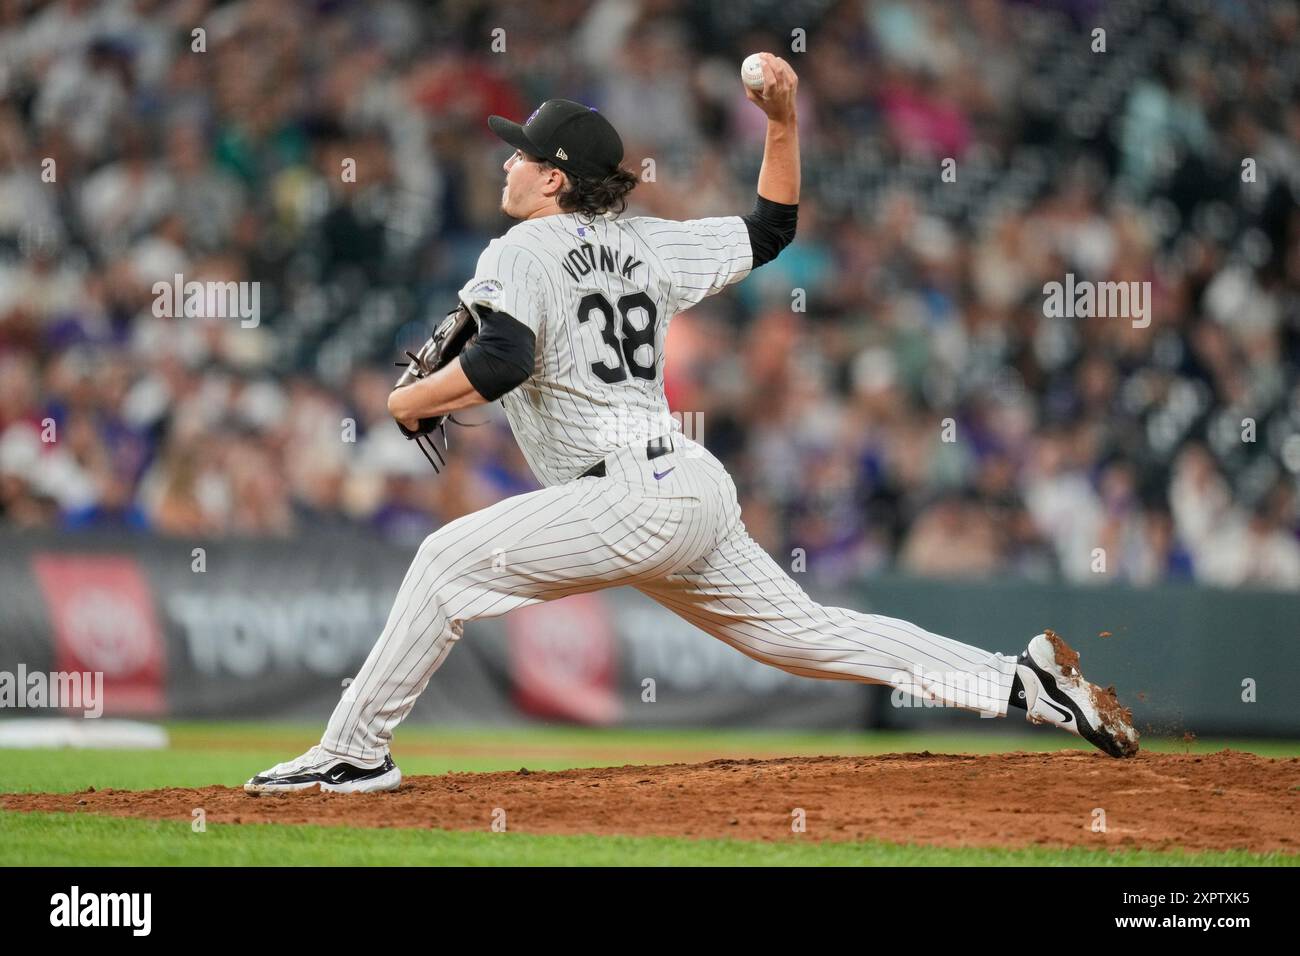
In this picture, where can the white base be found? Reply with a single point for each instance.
(29, 733)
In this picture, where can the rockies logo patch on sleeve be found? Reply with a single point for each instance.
(487, 290)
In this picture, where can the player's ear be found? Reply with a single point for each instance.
(555, 182)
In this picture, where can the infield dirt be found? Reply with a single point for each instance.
(1223, 801)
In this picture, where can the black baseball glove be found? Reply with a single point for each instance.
(449, 339)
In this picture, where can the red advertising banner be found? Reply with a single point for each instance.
(102, 610)
(562, 660)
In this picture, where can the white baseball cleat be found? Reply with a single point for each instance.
(330, 772)
(1056, 693)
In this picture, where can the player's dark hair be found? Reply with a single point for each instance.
(595, 197)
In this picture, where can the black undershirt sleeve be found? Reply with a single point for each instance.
(501, 358)
(771, 228)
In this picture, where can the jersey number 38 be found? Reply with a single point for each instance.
(632, 340)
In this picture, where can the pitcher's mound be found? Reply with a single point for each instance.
(1223, 801)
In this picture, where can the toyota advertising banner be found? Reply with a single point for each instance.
(271, 629)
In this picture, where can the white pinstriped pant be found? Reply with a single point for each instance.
(678, 539)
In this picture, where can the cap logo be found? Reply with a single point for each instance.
(561, 154)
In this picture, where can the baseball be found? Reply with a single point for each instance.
(751, 71)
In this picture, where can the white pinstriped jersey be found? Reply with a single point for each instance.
(598, 296)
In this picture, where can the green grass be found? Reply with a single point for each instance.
(56, 839)
(228, 753)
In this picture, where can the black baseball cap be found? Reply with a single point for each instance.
(573, 137)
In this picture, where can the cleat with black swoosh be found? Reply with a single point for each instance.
(330, 772)
(1054, 692)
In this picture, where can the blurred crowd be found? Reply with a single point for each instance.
(889, 394)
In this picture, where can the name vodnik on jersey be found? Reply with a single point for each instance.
(583, 260)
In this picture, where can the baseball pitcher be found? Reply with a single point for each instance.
(564, 323)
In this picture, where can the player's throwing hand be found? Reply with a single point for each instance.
(776, 98)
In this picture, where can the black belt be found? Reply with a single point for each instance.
(654, 448)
